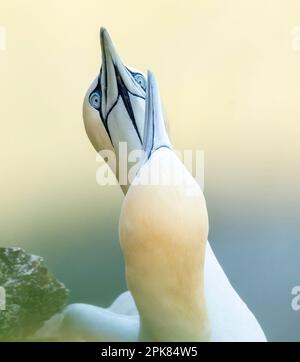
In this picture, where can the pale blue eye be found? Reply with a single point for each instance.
(139, 78)
(95, 100)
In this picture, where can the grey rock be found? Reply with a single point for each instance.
(33, 294)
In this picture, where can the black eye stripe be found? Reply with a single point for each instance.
(136, 75)
(124, 93)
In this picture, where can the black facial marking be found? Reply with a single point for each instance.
(98, 91)
(135, 75)
(105, 67)
(124, 93)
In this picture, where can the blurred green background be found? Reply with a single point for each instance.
(229, 78)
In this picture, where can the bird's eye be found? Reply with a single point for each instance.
(141, 80)
(95, 100)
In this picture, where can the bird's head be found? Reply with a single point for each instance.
(114, 105)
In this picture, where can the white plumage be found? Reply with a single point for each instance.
(181, 293)
(229, 317)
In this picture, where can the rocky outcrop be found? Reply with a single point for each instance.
(32, 294)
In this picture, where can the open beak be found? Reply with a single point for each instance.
(115, 77)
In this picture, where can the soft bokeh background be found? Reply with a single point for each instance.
(230, 80)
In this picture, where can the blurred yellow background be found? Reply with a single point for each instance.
(230, 82)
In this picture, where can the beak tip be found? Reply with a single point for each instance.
(105, 39)
(102, 30)
(103, 35)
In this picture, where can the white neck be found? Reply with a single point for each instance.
(172, 320)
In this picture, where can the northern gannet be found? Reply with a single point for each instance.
(163, 232)
(229, 317)
(114, 105)
(108, 118)
(165, 264)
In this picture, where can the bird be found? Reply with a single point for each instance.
(176, 210)
(114, 107)
(224, 316)
(81, 322)
(170, 301)
(163, 229)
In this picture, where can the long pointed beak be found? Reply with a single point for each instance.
(155, 134)
(114, 74)
(110, 57)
